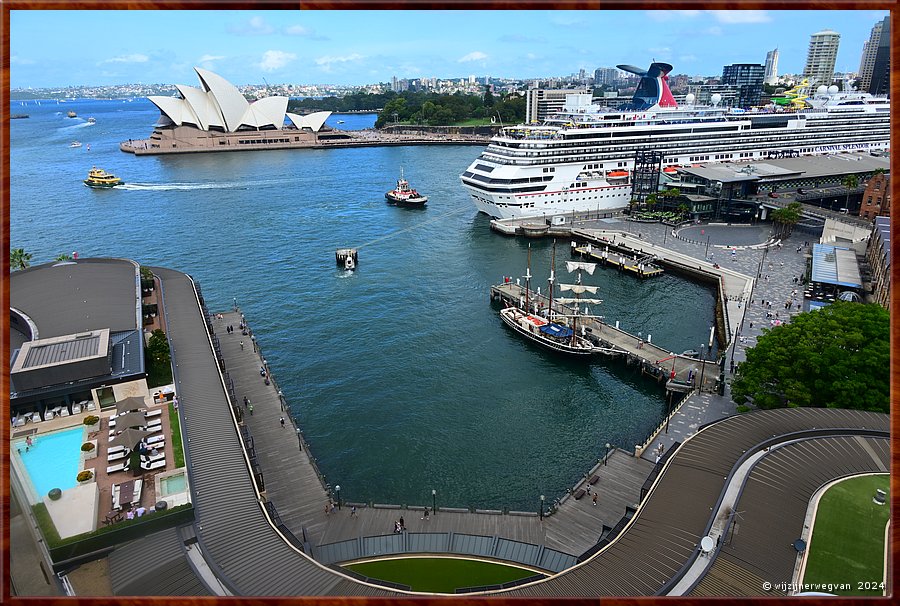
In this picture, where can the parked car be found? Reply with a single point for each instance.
(773, 194)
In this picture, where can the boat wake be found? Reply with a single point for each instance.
(79, 125)
(183, 186)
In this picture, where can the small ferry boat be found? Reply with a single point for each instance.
(91, 120)
(404, 195)
(340, 121)
(71, 114)
(75, 144)
(18, 116)
(99, 178)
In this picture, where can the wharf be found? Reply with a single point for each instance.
(656, 362)
(642, 267)
(298, 492)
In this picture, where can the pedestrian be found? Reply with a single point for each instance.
(402, 524)
(251, 409)
(332, 506)
(327, 507)
(589, 488)
(425, 514)
(175, 402)
(751, 324)
(397, 527)
(246, 402)
(594, 500)
(242, 346)
(282, 422)
(352, 508)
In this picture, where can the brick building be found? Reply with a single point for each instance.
(876, 200)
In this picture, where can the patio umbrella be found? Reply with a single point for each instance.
(130, 419)
(129, 404)
(129, 438)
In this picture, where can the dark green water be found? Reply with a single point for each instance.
(401, 374)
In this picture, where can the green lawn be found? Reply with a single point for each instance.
(847, 544)
(440, 575)
(177, 448)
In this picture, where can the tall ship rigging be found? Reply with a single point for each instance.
(582, 157)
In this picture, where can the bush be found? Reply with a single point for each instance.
(91, 420)
(743, 408)
(87, 447)
(54, 494)
(84, 476)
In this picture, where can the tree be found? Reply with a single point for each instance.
(786, 218)
(63, 257)
(835, 357)
(158, 347)
(850, 182)
(488, 96)
(19, 259)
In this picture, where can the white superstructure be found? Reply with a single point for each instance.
(581, 158)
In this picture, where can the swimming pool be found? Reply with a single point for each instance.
(53, 459)
(172, 485)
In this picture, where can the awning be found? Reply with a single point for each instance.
(129, 404)
(555, 330)
(130, 419)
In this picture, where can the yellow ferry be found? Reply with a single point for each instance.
(97, 177)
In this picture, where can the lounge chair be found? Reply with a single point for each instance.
(150, 466)
(117, 467)
(152, 413)
(91, 405)
(155, 439)
(76, 408)
(115, 456)
(63, 411)
(20, 421)
(36, 417)
(152, 459)
(48, 414)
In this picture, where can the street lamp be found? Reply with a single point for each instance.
(606, 458)
(299, 439)
(702, 366)
(434, 501)
(542, 508)
(337, 489)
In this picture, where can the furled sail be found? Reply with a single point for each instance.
(570, 300)
(575, 265)
(578, 288)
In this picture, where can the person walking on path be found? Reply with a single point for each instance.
(250, 408)
(282, 422)
(242, 346)
(246, 401)
(594, 500)
(402, 524)
(425, 514)
(327, 507)
(352, 508)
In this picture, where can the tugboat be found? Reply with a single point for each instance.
(71, 114)
(75, 144)
(99, 178)
(404, 195)
(91, 120)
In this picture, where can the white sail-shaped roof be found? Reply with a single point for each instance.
(230, 101)
(203, 107)
(312, 121)
(265, 112)
(174, 109)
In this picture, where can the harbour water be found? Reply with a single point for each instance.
(401, 374)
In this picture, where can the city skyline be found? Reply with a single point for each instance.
(354, 48)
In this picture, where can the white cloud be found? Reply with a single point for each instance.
(208, 58)
(741, 16)
(274, 59)
(255, 26)
(303, 31)
(135, 58)
(473, 56)
(662, 16)
(16, 60)
(327, 60)
(531, 56)
(715, 30)
(687, 58)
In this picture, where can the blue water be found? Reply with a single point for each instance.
(53, 459)
(401, 374)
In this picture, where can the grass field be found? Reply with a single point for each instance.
(847, 543)
(440, 575)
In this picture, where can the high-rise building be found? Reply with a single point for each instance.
(541, 102)
(771, 67)
(867, 61)
(606, 75)
(823, 48)
(881, 68)
(394, 85)
(747, 78)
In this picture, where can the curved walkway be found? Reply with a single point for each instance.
(250, 557)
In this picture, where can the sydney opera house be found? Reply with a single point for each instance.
(217, 117)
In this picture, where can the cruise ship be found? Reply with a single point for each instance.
(581, 158)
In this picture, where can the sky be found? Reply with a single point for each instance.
(71, 48)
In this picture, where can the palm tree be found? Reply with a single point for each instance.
(19, 259)
(63, 257)
(850, 182)
(785, 218)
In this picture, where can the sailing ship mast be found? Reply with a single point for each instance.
(550, 281)
(528, 281)
(578, 288)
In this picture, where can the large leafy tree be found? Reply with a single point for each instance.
(836, 357)
(850, 182)
(786, 218)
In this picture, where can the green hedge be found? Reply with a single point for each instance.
(107, 536)
(175, 429)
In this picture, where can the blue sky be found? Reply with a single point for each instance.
(61, 48)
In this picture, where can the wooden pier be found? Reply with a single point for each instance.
(656, 362)
(641, 266)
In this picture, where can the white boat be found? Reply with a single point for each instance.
(546, 332)
(572, 160)
(404, 195)
(75, 144)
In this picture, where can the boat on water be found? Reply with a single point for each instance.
(545, 331)
(404, 195)
(91, 120)
(581, 157)
(71, 114)
(75, 144)
(99, 178)
(340, 121)
(18, 116)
